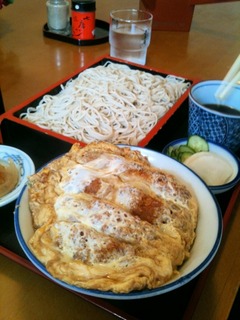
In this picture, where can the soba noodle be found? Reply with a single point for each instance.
(108, 103)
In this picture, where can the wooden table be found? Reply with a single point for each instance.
(29, 63)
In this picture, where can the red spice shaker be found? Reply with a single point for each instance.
(83, 19)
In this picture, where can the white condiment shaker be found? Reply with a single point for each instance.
(58, 16)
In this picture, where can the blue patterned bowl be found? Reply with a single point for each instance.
(214, 125)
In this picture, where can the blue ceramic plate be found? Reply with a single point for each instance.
(208, 233)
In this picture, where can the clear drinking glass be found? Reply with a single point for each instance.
(130, 34)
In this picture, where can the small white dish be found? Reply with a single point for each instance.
(206, 244)
(24, 165)
(225, 154)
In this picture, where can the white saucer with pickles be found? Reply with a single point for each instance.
(218, 167)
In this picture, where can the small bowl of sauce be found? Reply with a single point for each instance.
(15, 167)
(9, 176)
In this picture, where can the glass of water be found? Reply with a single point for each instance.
(130, 34)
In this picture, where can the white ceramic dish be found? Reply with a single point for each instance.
(222, 151)
(208, 234)
(24, 165)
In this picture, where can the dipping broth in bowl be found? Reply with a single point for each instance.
(217, 121)
(222, 109)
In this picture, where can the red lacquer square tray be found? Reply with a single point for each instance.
(42, 146)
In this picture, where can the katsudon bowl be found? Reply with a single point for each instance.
(218, 166)
(205, 247)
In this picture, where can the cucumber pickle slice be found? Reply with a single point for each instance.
(194, 144)
(197, 143)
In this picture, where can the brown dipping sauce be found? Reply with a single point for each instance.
(9, 177)
(222, 108)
